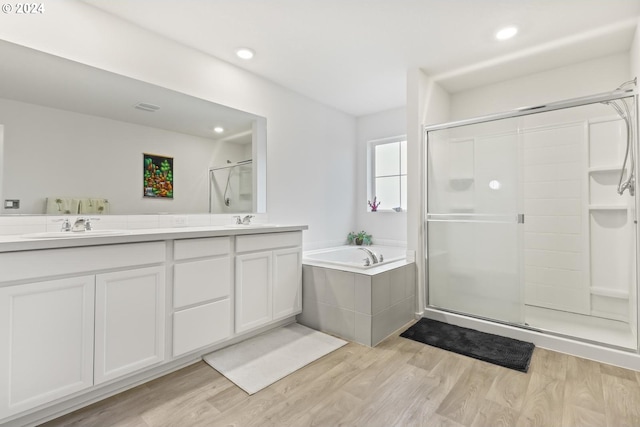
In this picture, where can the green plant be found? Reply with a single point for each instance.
(360, 238)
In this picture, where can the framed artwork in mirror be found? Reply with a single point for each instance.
(157, 176)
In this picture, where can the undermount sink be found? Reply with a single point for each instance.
(73, 234)
(257, 225)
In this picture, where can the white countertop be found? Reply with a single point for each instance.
(11, 243)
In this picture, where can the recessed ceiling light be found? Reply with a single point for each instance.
(506, 33)
(218, 129)
(245, 53)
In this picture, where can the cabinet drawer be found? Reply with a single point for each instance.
(199, 281)
(201, 326)
(261, 242)
(198, 248)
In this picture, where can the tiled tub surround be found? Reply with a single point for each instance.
(364, 307)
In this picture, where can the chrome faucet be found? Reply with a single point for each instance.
(66, 225)
(372, 255)
(244, 221)
(80, 225)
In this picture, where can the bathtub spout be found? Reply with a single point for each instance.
(372, 255)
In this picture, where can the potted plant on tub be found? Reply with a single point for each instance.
(360, 238)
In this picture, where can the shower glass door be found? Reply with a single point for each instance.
(474, 228)
(531, 221)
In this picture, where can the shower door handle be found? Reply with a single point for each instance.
(478, 218)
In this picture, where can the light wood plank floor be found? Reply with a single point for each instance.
(398, 383)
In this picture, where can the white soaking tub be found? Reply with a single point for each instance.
(355, 256)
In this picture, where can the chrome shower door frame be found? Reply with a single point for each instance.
(428, 217)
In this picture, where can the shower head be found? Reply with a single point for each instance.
(630, 82)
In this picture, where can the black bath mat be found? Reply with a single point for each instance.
(490, 348)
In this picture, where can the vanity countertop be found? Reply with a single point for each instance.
(12, 243)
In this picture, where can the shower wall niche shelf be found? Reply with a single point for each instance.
(611, 293)
(460, 184)
(609, 222)
(599, 169)
(608, 207)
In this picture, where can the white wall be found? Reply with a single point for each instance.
(581, 79)
(311, 148)
(385, 227)
(427, 103)
(634, 54)
(634, 66)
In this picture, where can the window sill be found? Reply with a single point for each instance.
(390, 211)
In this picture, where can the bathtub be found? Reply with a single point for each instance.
(365, 304)
(353, 257)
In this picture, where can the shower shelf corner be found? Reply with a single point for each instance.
(611, 293)
(460, 184)
(608, 207)
(604, 169)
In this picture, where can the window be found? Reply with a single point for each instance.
(388, 173)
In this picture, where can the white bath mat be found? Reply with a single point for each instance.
(264, 359)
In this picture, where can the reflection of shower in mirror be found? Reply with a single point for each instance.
(230, 187)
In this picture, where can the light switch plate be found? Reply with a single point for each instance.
(12, 204)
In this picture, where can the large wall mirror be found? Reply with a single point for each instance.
(77, 139)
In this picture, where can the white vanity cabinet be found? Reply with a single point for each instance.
(84, 317)
(46, 342)
(201, 293)
(57, 305)
(268, 278)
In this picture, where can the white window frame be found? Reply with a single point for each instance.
(371, 166)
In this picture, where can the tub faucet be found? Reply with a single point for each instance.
(372, 255)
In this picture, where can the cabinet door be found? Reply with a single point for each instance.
(287, 282)
(46, 342)
(130, 319)
(253, 290)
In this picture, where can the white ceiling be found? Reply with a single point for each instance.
(354, 54)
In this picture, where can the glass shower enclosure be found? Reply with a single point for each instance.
(531, 218)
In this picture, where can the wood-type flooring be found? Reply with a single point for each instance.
(398, 383)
